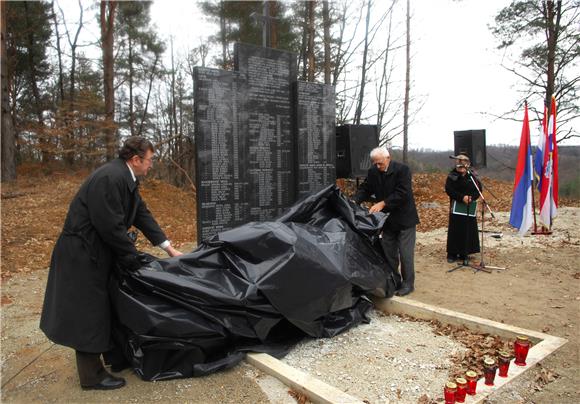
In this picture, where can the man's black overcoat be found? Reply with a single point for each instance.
(395, 188)
(76, 310)
(462, 234)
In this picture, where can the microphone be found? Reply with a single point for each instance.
(471, 171)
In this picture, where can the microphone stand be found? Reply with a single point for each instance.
(482, 266)
(465, 262)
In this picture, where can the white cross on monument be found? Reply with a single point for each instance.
(266, 20)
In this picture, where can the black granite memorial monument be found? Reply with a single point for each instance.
(263, 139)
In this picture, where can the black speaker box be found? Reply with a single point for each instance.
(353, 145)
(471, 142)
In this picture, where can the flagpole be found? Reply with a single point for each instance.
(554, 176)
(532, 181)
(544, 134)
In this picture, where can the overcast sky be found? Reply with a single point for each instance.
(456, 67)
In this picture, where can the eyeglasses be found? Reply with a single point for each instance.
(150, 159)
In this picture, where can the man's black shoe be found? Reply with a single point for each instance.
(110, 382)
(404, 291)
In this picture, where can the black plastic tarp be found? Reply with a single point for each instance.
(259, 287)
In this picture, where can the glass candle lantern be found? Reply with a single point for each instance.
(471, 377)
(504, 363)
(461, 390)
(489, 368)
(449, 392)
(521, 348)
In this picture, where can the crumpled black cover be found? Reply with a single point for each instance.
(259, 287)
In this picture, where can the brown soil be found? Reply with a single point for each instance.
(539, 290)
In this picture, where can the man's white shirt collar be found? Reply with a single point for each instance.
(132, 173)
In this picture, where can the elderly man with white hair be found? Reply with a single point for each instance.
(389, 185)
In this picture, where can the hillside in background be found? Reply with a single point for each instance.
(501, 163)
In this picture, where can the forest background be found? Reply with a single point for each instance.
(78, 77)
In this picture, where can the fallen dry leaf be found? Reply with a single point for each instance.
(299, 397)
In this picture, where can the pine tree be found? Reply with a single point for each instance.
(545, 37)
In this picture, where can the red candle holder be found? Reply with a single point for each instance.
(521, 348)
(449, 392)
(461, 389)
(504, 363)
(489, 368)
(471, 377)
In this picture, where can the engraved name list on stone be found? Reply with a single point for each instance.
(220, 189)
(315, 126)
(269, 73)
(249, 145)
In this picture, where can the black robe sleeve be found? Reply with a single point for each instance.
(452, 188)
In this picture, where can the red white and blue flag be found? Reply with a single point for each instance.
(522, 215)
(549, 180)
(539, 157)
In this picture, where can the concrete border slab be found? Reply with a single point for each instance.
(320, 392)
(316, 390)
(543, 344)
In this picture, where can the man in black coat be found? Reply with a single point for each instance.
(389, 183)
(76, 311)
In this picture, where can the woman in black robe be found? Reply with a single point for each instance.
(462, 234)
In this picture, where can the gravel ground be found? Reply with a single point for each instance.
(388, 360)
(374, 356)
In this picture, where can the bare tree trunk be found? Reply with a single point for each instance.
(107, 26)
(343, 55)
(8, 142)
(552, 32)
(339, 52)
(359, 106)
(69, 137)
(407, 86)
(153, 69)
(35, 91)
(326, 24)
(273, 9)
(223, 37)
(310, 51)
(59, 52)
(131, 72)
(304, 42)
(73, 47)
(385, 80)
(175, 128)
